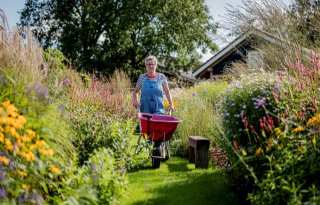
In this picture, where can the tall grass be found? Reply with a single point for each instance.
(21, 59)
(110, 95)
(196, 108)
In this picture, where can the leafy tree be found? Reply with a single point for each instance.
(104, 35)
(307, 14)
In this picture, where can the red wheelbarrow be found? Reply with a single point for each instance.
(158, 130)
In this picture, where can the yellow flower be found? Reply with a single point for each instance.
(11, 130)
(30, 133)
(6, 103)
(1, 137)
(277, 131)
(259, 151)
(25, 186)
(25, 138)
(29, 156)
(20, 122)
(40, 143)
(54, 169)
(12, 110)
(48, 152)
(8, 144)
(167, 104)
(3, 120)
(314, 120)
(22, 173)
(268, 148)
(4, 160)
(298, 129)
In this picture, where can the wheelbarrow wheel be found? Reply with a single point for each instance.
(155, 163)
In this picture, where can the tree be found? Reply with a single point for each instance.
(105, 35)
(307, 15)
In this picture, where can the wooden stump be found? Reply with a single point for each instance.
(198, 151)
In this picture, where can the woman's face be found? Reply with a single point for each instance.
(151, 66)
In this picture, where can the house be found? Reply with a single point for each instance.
(178, 79)
(240, 49)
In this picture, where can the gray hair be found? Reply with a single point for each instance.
(151, 58)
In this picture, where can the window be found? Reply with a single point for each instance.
(255, 60)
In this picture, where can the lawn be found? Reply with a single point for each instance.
(178, 182)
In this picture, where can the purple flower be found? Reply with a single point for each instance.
(44, 92)
(261, 102)
(62, 107)
(37, 86)
(2, 194)
(22, 198)
(276, 87)
(67, 81)
(194, 94)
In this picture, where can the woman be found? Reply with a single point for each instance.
(152, 86)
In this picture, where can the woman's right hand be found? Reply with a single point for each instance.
(136, 104)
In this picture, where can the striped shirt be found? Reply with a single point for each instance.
(160, 78)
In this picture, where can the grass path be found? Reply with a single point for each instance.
(177, 182)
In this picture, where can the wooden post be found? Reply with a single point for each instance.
(198, 151)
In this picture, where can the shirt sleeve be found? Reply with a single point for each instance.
(164, 80)
(140, 81)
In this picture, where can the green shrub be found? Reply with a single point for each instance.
(98, 181)
(242, 110)
(290, 172)
(282, 164)
(96, 130)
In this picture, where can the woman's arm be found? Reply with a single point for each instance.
(136, 103)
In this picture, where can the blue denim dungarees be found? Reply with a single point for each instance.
(152, 97)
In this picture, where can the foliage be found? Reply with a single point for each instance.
(282, 163)
(111, 95)
(294, 22)
(108, 35)
(291, 177)
(96, 130)
(306, 14)
(242, 110)
(22, 62)
(294, 149)
(98, 181)
(37, 159)
(196, 109)
(23, 75)
(27, 170)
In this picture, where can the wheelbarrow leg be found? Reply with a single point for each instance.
(160, 152)
(157, 153)
(166, 151)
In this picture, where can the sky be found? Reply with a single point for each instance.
(216, 8)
